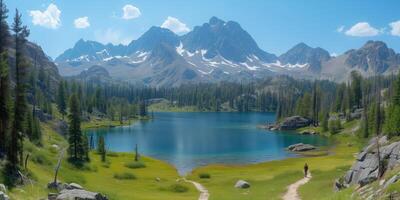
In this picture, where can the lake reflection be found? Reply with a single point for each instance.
(188, 140)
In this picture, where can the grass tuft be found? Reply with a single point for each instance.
(124, 176)
(135, 165)
(204, 175)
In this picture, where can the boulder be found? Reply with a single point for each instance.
(73, 186)
(365, 169)
(4, 196)
(78, 194)
(357, 113)
(289, 123)
(308, 132)
(242, 184)
(392, 180)
(300, 147)
(338, 185)
(52, 196)
(3, 188)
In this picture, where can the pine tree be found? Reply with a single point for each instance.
(61, 100)
(315, 108)
(356, 88)
(325, 122)
(75, 138)
(5, 114)
(4, 29)
(101, 148)
(16, 143)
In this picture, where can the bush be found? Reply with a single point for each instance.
(135, 165)
(178, 188)
(40, 158)
(204, 175)
(124, 176)
(334, 126)
(112, 154)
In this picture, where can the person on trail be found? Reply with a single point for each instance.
(305, 170)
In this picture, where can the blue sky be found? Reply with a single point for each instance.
(275, 25)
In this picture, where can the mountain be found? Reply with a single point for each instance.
(95, 74)
(38, 61)
(373, 58)
(218, 51)
(90, 51)
(226, 39)
(303, 54)
(215, 51)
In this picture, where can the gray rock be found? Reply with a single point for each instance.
(300, 147)
(52, 196)
(242, 184)
(356, 114)
(77, 194)
(73, 186)
(3, 188)
(365, 169)
(338, 185)
(4, 196)
(290, 123)
(392, 180)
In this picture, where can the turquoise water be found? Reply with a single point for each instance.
(189, 140)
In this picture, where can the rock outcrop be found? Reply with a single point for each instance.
(79, 194)
(242, 184)
(289, 123)
(4, 196)
(3, 190)
(299, 147)
(72, 191)
(366, 168)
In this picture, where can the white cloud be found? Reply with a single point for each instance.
(362, 29)
(334, 54)
(340, 29)
(112, 36)
(395, 28)
(82, 22)
(50, 18)
(175, 25)
(130, 12)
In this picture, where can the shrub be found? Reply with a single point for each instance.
(124, 176)
(112, 154)
(178, 188)
(334, 126)
(135, 165)
(204, 175)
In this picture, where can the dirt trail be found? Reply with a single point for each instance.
(203, 191)
(292, 193)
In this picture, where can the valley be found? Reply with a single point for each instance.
(199, 106)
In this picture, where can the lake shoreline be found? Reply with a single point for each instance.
(207, 139)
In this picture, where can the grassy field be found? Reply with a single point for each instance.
(98, 176)
(269, 180)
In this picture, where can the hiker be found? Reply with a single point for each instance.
(305, 170)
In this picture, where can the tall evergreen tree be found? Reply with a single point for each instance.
(75, 138)
(101, 148)
(4, 29)
(5, 111)
(356, 88)
(61, 99)
(4, 77)
(16, 145)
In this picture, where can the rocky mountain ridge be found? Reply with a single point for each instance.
(219, 51)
